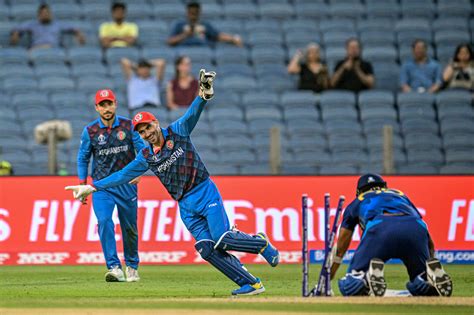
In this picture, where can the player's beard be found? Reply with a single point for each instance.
(112, 117)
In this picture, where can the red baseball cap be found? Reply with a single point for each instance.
(104, 95)
(143, 118)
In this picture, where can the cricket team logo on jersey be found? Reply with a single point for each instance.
(170, 144)
(102, 139)
(121, 135)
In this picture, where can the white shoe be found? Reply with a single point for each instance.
(206, 81)
(115, 274)
(132, 274)
(438, 278)
(375, 278)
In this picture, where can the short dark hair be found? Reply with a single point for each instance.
(352, 39)
(193, 4)
(418, 40)
(119, 5)
(461, 46)
(43, 6)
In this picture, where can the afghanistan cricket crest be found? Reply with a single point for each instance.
(121, 135)
(170, 144)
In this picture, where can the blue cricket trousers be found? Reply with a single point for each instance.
(104, 201)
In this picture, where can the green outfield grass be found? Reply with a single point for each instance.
(203, 288)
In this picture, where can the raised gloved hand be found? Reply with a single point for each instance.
(206, 81)
(80, 192)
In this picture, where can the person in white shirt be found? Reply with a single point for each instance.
(143, 86)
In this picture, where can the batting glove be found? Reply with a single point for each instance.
(206, 81)
(80, 192)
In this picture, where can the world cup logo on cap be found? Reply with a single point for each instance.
(138, 117)
(104, 93)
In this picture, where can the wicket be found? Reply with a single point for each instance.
(323, 287)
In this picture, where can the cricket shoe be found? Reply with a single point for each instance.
(132, 274)
(269, 252)
(375, 278)
(115, 274)
(250, 289)
(438, 278)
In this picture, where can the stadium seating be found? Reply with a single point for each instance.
(334, 132)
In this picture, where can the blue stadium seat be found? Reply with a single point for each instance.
(166, 53)
(311, 11)
(431, 156)
(225, 112)
(381, 54)
(96, 11)
(353, 10)
(23, 12)
(201, 55)
(84, 55)
(264, 38)
(90, 84)
(339, 112)
(298, 98)
(376, 38)
(417, 111)
(303, 112)
(415, 99)
(386, 9)
(413, 125)
(47, 70)
(338, 170)
(343, 126)
(31, 98)
(381, 112)
(455, 9)
(231, 55)
(450, 23)
(240, 10)
(300, 25)
(374, 126)
(417, 169)
(275, 82)
(260, 99)
(374, 98)
(460, 156)
(67, 11)
(139, 11)
(418, 9)
(16, 71)
(56, 84)
(337, 98)
(18, 84)
(169, 11)
(13, 55)
(258, 113)
(457, 125)
(276, 10)
(88, 69)
(113, 55)
(460, 169)
(258, 169)
(337, 38)
(229, 126)
(375, 141)
(422, 141)
(48, 55)
(376, 25)
(451, 38)
(236, 141)
(264, 55)
(300, 127)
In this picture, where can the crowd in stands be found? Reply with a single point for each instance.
(152, 63)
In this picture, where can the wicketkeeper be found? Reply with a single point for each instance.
(112, 143)
(392, 228)
(177, 164)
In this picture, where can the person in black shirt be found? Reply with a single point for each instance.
(353, 73)
(313, 73)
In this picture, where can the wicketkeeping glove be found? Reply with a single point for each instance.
(80, 192)
(206, 81)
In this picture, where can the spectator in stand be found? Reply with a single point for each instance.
(118, 33)
(184, 88)
(459, 74)
(143, 87)
(421, 73)
(198, 33)
(45, 31)
(313, 73)
(6, 168)
(353, 73)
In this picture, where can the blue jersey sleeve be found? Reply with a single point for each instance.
(84, 156)
(134, 169)
(351, 216)
(185, 125)
(138, 142)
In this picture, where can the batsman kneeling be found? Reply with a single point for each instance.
(392, 228)
(174, 160)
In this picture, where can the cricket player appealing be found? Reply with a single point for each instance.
(175, 161)
(392, 228)
(112, 143)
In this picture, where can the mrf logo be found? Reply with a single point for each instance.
(102, 139)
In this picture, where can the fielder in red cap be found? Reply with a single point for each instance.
(173, 158)
(112, 143)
